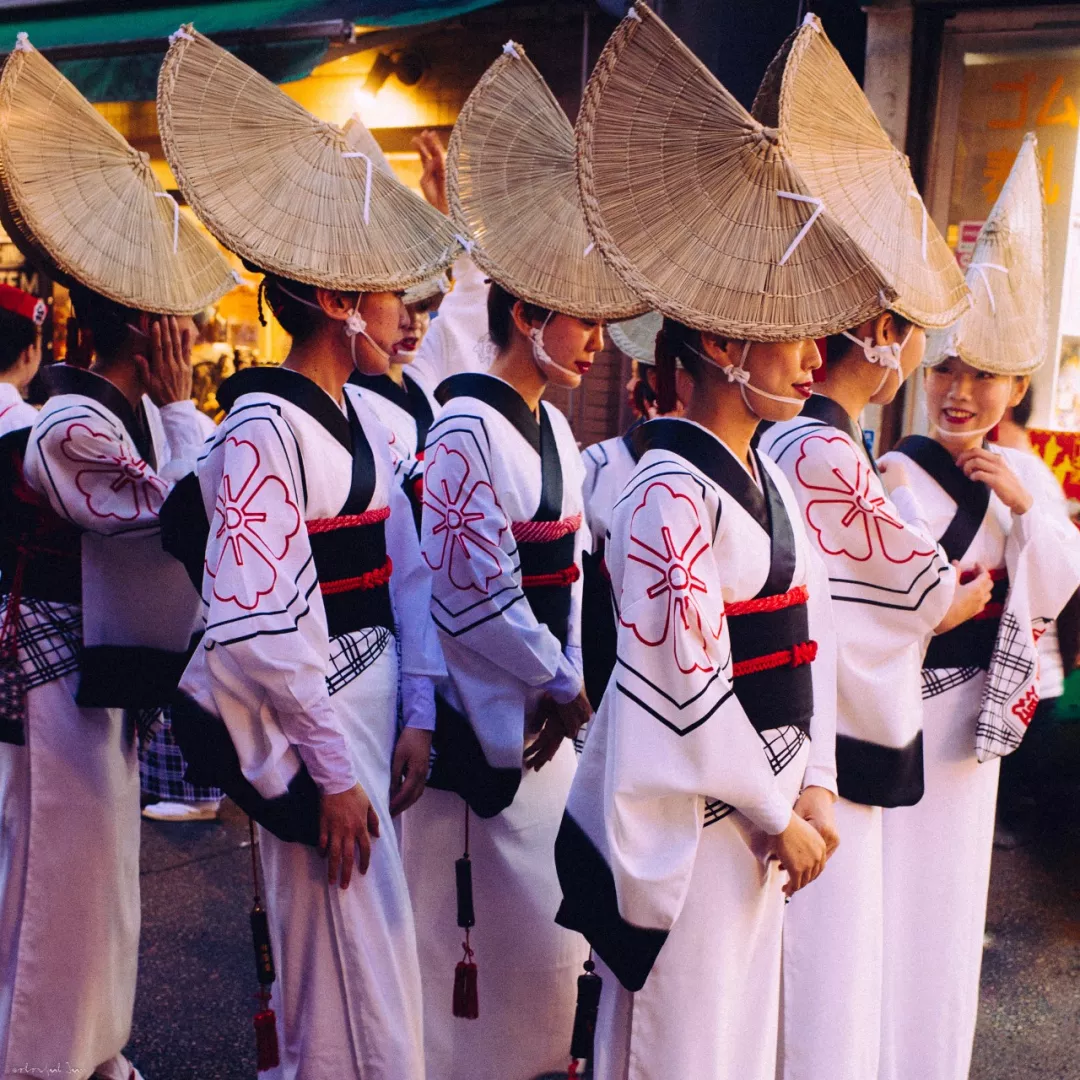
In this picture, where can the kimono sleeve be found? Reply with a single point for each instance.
(821, 765)
(92, 474)
(265, 624)
(877, 563)
(467, 542)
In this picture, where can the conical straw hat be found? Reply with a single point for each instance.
(637, 337)
(513, 192)
(844, 155)
(699, 207)
(86, 205)
(1007, 330)
(360, 138)
(283, 189)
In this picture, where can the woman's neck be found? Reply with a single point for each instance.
(847, 384)
(719, 407)
(956, 446)
(325, 361)
(123, 374)
(515, 365)
(397, 374)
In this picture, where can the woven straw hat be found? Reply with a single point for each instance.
(1007, 330)
(699, 207)
(844, 155)
(637, 337)
(279, 187)
(513, 192)
(86, 206)
(360, 138)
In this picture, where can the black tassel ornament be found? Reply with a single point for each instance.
(466, 1004)
(267, 1053)
(589, 986)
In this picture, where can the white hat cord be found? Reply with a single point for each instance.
(354, 324)
(737, 373)
(554, 372)
(888, 356)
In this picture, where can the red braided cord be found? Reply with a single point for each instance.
(371, 580)
(558, 577)
(804, 652)
(792, 598)
(544, 532)
(348, 521)
(993, 610)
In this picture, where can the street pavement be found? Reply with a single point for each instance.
(196, 989)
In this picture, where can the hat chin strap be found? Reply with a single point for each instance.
(888, 356)
(354, 326)
(961, 434)
(737, 373)
(554, 372)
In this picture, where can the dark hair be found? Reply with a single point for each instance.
(1021, 412)
(675, 344)
(500, 303)
(17, 333)
(105, 319)
(837, 346)
(296, 318)
(644, 395)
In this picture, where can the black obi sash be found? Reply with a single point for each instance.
(40, 552)
(971, 644)
(545, 544)
(770, 634)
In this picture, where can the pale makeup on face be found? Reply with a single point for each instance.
(783, 368)
(572, 343)
(388, 323)
(963, 403)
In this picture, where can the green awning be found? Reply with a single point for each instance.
(131, 75)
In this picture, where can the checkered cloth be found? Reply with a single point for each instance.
(162, 766)
(353, 653)
(49, 637)
(937, 681)
(782, 744)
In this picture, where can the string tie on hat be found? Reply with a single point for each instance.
(176, 218)
(888, 356)
(632, 14)
(22, 42)
(355, 326)
(738, 373)
(510, 50)
(465, 242)
(588, 251)
(237, 277)
(367, 182)
(981, 269)
(179, 35)
(556, 373)
(818, 205)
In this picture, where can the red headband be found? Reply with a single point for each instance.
(23, 303)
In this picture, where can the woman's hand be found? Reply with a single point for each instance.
(993, 470)
(347, 821)
(433, 161)
(801, 852)
(557, 722)
(968, 599)
(409, 768)
(166, 376)
(815, 806)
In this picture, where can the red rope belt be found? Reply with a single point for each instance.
(348, 521)
(803, 652)
(544, 532)
(556, 577)
(371, 580)
(996, 608)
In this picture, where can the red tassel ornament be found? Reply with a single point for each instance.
(466, 996)
(267, 1055)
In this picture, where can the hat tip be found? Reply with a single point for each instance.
(22, 42)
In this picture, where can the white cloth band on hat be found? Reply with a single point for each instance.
(509, 50)
(981, 270)
(22, 42)
(818, 205)
(367, 182)
(176, 218)
(913, 194)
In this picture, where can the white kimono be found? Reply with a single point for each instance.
(937, 854)
(301, 659)
(663, 851)
(405, 411)
(69, 797)
(14, 412)
(891, 585)
(492, 471)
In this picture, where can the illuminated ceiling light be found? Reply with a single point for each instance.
(407, 66)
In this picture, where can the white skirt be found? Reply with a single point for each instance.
(69, 886)
(937, 875)
(709, 1010)
(347, 995)
(831, 1013)
(527, 966)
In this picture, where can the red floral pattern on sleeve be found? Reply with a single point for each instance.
(115, 482)
(849, 517)
(468, 523)
(668, 587)
(255, 520)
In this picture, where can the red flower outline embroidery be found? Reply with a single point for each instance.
(466, 539)
(842, 523)
(251, 530)
(666, 538)
(115, 482)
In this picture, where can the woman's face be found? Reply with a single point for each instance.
(388, 324)
(419, 324)
(963, 400)
(783, 368)
(572, 343)
(32, 355)
(911, 356)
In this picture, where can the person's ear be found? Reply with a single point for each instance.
(335, 304)
(521, 321)
(883, 329)
(1019, 389)
(724, 352)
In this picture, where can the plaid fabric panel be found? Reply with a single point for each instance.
(936, 681)
(351, 654)
(49, 639)
(1011, 669)
(161, 767)
(782, 745)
